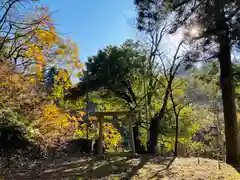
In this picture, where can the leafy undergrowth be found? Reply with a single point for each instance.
(123, 167)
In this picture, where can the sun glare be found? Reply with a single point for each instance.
(194, 31)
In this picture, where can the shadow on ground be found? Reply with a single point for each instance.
(101, 167)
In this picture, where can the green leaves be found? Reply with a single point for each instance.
(237, 89)
(179, 92)
(116, 71)
(79, 75)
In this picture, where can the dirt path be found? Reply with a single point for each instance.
(123, 167)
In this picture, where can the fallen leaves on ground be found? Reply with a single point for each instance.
(125, 167)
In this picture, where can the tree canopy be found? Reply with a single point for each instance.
(113, 69)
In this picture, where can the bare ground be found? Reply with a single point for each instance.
(113, 167)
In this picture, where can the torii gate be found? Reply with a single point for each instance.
(130, 116)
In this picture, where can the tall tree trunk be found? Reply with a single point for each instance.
(154, 124)
(176, 137)
(153, 135)
(228, 98)
(138, 145)
(226, 78)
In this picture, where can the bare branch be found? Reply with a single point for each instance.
(11, 3)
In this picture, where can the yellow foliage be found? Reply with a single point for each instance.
(111, 137)
(44, 46)
(23, 95)
(51, 123)
(40, 59)
(55, 125)
(19, 93)
(59, 51)
(82, 113)
(78, 65)
(63, 75)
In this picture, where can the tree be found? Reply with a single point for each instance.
(29, 46)
(218, 24)
(29, 39)
(19, 95)
(116, 74)
(16, 22)
(57, 82)
(120, 71)
(180, 102)
(113, 69)
(160, 67)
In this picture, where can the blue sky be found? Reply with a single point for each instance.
(93, 24)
